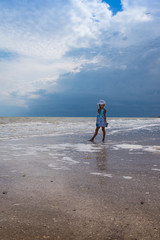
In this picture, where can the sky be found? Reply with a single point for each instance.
(60, 57)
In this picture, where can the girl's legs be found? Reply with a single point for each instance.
(95, 134)
(104, 134)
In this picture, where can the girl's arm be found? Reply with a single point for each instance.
(105, 119)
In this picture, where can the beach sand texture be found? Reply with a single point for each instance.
(55, 184)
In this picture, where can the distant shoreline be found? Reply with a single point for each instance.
(76, 117)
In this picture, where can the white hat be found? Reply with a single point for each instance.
(101, 102)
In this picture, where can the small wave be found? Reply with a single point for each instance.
(21, 127)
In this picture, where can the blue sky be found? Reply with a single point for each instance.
(59, 57)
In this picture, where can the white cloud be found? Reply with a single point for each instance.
(43, 37)
(52, 33)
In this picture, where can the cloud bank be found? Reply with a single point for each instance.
(78, 49)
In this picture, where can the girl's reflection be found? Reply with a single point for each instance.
(101, 158)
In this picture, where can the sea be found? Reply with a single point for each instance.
(62, 143)
(24, 127)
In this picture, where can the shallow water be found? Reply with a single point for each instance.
(63, 142)
(22, 127)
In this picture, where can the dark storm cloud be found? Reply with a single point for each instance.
(132, 91)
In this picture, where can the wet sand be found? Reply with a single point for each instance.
(103, 194)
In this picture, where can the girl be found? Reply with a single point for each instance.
(101, 120)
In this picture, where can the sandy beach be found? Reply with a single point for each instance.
(64, 187)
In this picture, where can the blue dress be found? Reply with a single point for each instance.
(100, 119)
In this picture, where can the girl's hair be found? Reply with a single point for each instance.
(99, 110)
